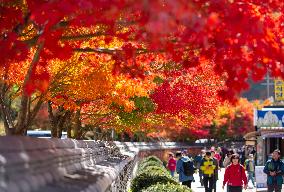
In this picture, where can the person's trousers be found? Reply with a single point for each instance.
(274, 187)
(214, 185)
(235, 188)
(187, 183)
(250, 177)
(208, 183)
(200, 177)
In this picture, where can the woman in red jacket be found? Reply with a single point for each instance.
(235, 175)
(172, 164)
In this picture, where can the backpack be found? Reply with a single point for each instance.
(188, 168)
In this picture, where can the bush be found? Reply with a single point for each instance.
(168, 187)
(155, 169)
(150, 172)
(144, 180)
(149, 163)
(152, 158)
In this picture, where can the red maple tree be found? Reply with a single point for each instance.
(176, 39)
(243, 38)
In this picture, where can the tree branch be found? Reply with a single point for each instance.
(83, 36)
(21, 126)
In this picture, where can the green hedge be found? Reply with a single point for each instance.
(151, 158)
(145, 180)
(168, 187)
(150, 172)
(156, 169)
(149, 163)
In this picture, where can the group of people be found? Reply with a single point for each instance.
(237, 173)
(208, 164)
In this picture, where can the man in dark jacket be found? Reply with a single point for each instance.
(183, 178)
(274, 169)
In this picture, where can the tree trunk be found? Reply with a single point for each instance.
(52, 120)
(77, 127)
(24, 117)
(62, 123)
(58, 120)
(69, 129)
(5, 115)
(5, 109)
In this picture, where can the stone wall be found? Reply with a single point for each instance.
(44, 165)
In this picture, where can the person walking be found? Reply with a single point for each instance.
(171, 165)
(235, 176)
(219, 151)
(197, 162)
(274, 169)
(216, 163)
(208, 167)
(227, 160)
(184, 177)
(250, 167)
(217, 154)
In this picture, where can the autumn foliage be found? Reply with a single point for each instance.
(232, 120)
(94, 58)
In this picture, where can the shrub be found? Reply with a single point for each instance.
(168, 187)
(155, 169)
(150, 172)
(152, 158)
(144, 180)
(146, 164)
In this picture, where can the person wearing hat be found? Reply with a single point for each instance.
(250, 166)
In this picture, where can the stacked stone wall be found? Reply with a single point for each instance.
(59, 165)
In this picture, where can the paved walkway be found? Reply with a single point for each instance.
(196, 187)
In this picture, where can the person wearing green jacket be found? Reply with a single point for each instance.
(250, 168)
(274, 169)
